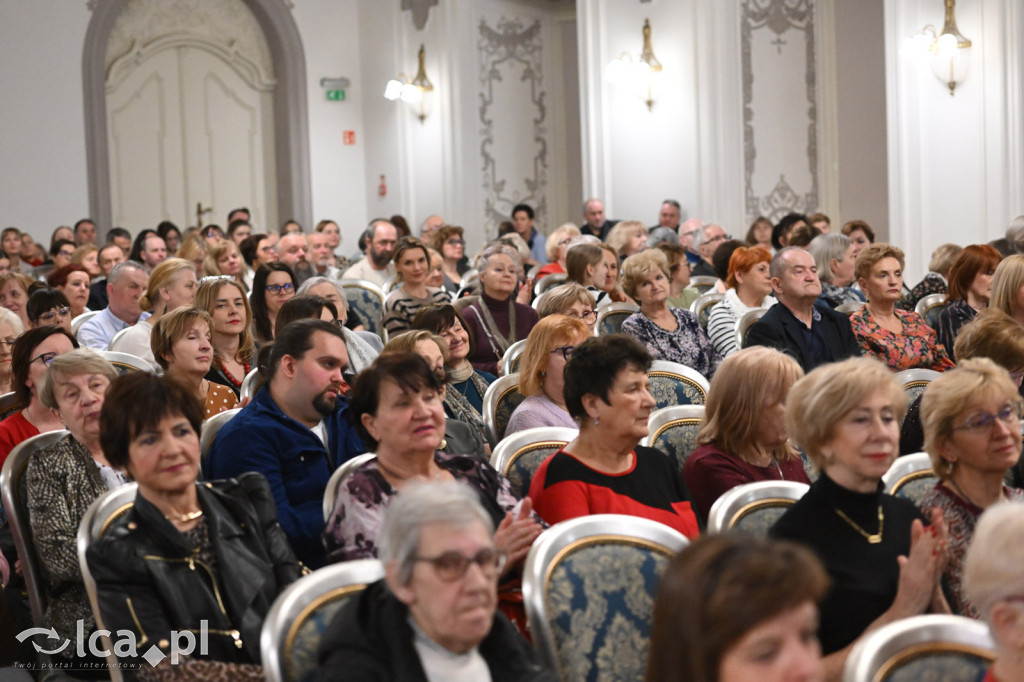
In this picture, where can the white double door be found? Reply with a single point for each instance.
(186, 128)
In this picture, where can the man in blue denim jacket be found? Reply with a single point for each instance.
(295, 432)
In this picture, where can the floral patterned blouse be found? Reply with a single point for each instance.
(961, 518)
(917, 346)
(354, 525)
(688, 344)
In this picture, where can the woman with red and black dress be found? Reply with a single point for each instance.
(603, 471)
(233, 346)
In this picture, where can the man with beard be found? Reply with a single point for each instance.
(295, 431)
(293, 251)
(377, 266)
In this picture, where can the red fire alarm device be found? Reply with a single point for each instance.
(348, 137)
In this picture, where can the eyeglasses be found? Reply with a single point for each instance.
(451, 566)
(47, 358)
(277, 289)
(1008, 414)
(455, 242)
(66, 254)
(63, 311)
(586, 315)
(566, 351)
(9, 342)
(719, 238)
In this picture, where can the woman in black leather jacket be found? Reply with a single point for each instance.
(186, 552)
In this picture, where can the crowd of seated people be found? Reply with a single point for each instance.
(789, 401)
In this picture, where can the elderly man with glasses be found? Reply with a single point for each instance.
(433, 615)
(707, 240)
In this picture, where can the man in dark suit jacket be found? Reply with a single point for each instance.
(593, 219)
(813, 335)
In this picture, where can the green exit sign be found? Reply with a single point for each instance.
(336, 95)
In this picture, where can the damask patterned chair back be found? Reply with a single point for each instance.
(745, 322)
(849, 308)
(210, 429)
(250, 384)
(100, 517)
(549, 282)
(15, 501)
(510, 360)
(517, 456)
(8, 405)
(703, 283)
(339, 475)
(754, 507)
(676, 384)
(368, 300)
(915, 381)
(589, 586)
(500, 401)
(80, 320)
(703, 305)
(125, 362)
(930, 307)
(922, 648)
(910, 477)
(611, 317)
(299, 616)
(673, 430)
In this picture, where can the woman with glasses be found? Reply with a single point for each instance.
(182, 348)
(411, 293)
(172, 284)
(434, 611)
(971, 417)
(396, 407)
(604, 470)
(73, 281)
(62, 480)
(234, 351)
(272, 285)
(450, 242)
(32, 354)
(542, 373)
(10, 330)
(556, 249)
(668, 333)
(48, 307)
(497, 320)
(572, 300)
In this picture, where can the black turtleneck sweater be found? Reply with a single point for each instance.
(864, 576)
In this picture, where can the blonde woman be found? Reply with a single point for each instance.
(1008, 287)
(170, 285)
(224, 258)
(743, 438)
(556, 249)
(627, 238)
(234, 348)
(10, 330)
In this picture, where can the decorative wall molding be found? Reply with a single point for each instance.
(512, 50)
(226, 23)
(790, 21)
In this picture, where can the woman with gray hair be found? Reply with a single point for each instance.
(10, 329)
(433, 616)
(63, 479)
(994, 583)
(361, 353)
(497, 320)
(833, 254)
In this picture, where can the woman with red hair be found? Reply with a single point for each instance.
(750, 286)
(970, 286)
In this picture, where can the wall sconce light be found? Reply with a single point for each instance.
(642, 73)
(947, 52)
(415, 92)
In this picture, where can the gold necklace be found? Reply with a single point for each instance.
(185, 518)
(872, 539)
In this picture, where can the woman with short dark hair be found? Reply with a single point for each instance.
(603, 470)
(736, 608)
(196, 557)
(48, 307)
